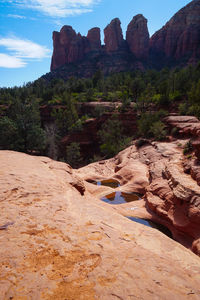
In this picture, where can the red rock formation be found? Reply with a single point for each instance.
(177, 43)
(137, 37)
(76, 49)
(187, 126)
(113, 36)
(171, 197)
(69, 47)
(179, 38)
(94, 38)
(61, 44)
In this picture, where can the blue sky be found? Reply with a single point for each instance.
(26, 28)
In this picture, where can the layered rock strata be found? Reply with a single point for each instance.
(170, 196)
(186, 126)
(59, 241)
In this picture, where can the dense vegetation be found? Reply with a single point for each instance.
(148, 93)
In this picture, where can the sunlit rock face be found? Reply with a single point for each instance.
(59, 240)
(179, 38)
(175, 44)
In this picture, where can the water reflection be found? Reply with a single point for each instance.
(151, 224)
(108, 182)
(120, 197)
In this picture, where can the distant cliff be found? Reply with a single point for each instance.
(179, 40)
(176, 43)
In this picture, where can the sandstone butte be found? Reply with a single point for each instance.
(60, 241)
(176, 43)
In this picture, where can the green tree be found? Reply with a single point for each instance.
(150, 125)
(158, 130)
(136, 87)
(23, 121)
(8, 134)
(111, 137)
(73, 155)
(66, 116)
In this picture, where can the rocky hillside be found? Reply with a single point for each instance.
(60, 241)
(177, 43)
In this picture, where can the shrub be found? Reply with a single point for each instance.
(141, 142)
(158, 130)
(174, 131)
(183, 109)
(150, 125)
(73, 155)
(187, 148)
(111, 137)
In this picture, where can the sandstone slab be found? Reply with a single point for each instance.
(59, 244)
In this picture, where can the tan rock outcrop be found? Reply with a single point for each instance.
(59, 244)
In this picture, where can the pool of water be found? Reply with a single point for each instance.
(108, 182)
(151, 224)
(120, 197)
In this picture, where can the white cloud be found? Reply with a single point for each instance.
(24, 48)
(16, 16)
(8, 61)
(59, 8)
(20, 51)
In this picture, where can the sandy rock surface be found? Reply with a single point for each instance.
(59, 241)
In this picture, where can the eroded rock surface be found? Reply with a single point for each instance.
(60, 243)
(187, 126)
(170, 196)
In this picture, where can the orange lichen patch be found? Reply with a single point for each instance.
(70, 271)
(75, 290)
